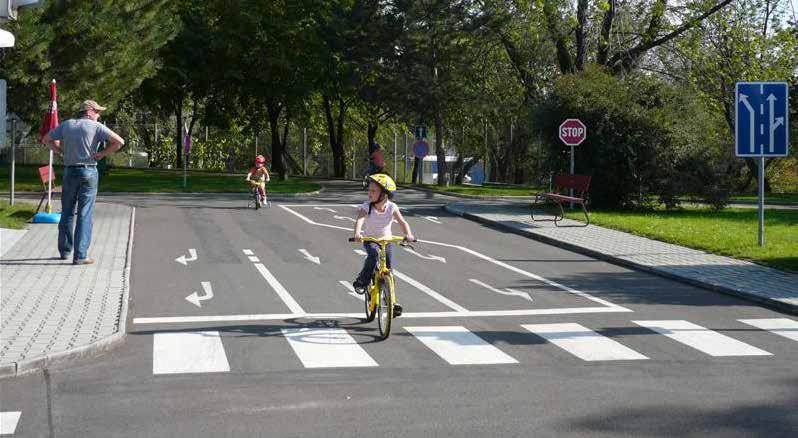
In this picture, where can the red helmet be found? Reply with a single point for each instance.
(260, 159)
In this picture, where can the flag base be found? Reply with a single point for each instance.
(46, 218)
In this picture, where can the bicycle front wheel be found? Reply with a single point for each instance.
(385, 306)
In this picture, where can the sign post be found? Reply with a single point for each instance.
(572, 132)
(761, 129)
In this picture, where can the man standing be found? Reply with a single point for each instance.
(78, 140)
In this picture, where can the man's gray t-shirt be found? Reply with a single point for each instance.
(80, 139)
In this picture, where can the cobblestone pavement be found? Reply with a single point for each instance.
(738, 277)
(49, 306)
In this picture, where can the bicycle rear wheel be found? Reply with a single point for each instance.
(370, 304)
(385, 306)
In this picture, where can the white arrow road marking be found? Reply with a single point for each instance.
(351, 290)
(751, 119)
(435, 295)
(195, 299)
(425, 257)
(325, 209)
(510, 292)
(193, 257)
(307, 255)
(344, 218)
(433, 219)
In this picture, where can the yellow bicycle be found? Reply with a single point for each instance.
(381, 296)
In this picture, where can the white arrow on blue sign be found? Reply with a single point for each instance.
(761, 119)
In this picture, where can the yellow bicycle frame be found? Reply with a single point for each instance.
(382, 272)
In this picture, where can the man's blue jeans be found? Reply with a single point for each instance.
(79, 190)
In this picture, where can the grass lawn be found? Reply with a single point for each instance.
(15, 217)
(730, 232)
(487, 190)
(155, 180)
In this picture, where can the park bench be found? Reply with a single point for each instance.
(45, 176)
(562, 184)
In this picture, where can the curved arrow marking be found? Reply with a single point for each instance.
(510, 292)
(433, 219)
(195, 299)
(307, 255)
(184, 261)
(425, 257)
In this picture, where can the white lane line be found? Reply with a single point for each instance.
(583, 342)
(289, 301)
(248, 252)
(405, 315)
(508, 291)
(325, 209)
(529, 274)
(348, 286)
(570, 290)
(458, 346)
(781, 326)
(435, 295)
(702, 339)
(8, 422)
(188, 352)
(254, 259)
(327, 348)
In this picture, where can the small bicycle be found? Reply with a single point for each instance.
(257, 200)
(380, 296)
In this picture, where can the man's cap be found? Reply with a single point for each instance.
(91, 105)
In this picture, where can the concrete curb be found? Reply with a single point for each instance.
(101, 346)
(465, 196)
(767, 302)
(186, 194)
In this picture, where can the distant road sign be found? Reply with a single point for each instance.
(761, 119)
(420, 149)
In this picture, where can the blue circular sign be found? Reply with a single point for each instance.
(420, 149)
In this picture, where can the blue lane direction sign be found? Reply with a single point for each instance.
(761, 119)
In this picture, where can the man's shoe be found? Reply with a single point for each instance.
(397, 310)
(83, 262)
(64, 257)
(359, 287)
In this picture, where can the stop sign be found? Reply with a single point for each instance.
(573, 132)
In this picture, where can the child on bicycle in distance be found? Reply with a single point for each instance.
(258, 176)
(374, 219)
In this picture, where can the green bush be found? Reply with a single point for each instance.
(643, 135)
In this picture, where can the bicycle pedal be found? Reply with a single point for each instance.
(397, 310)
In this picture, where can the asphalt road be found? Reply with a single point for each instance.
(501, 336)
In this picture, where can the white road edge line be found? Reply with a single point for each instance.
(405, 315)
(281, 291)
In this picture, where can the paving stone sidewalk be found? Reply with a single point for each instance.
(754, 282)
(51, 310)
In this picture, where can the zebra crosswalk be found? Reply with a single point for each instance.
(187, 352)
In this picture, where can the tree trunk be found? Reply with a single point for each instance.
(335, 131)
(440, 152)
(457, 170)
(415, 177)
(275, 109)
(372, 132)
(179, 134)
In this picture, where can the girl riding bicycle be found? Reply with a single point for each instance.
(374, 219)
(258, 176)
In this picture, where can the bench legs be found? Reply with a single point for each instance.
(558, 218)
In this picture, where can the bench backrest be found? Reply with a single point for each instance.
(579, 183)
(45, 175)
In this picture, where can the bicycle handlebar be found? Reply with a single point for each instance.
(391, 240)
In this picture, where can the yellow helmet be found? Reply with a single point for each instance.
(386, 182)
